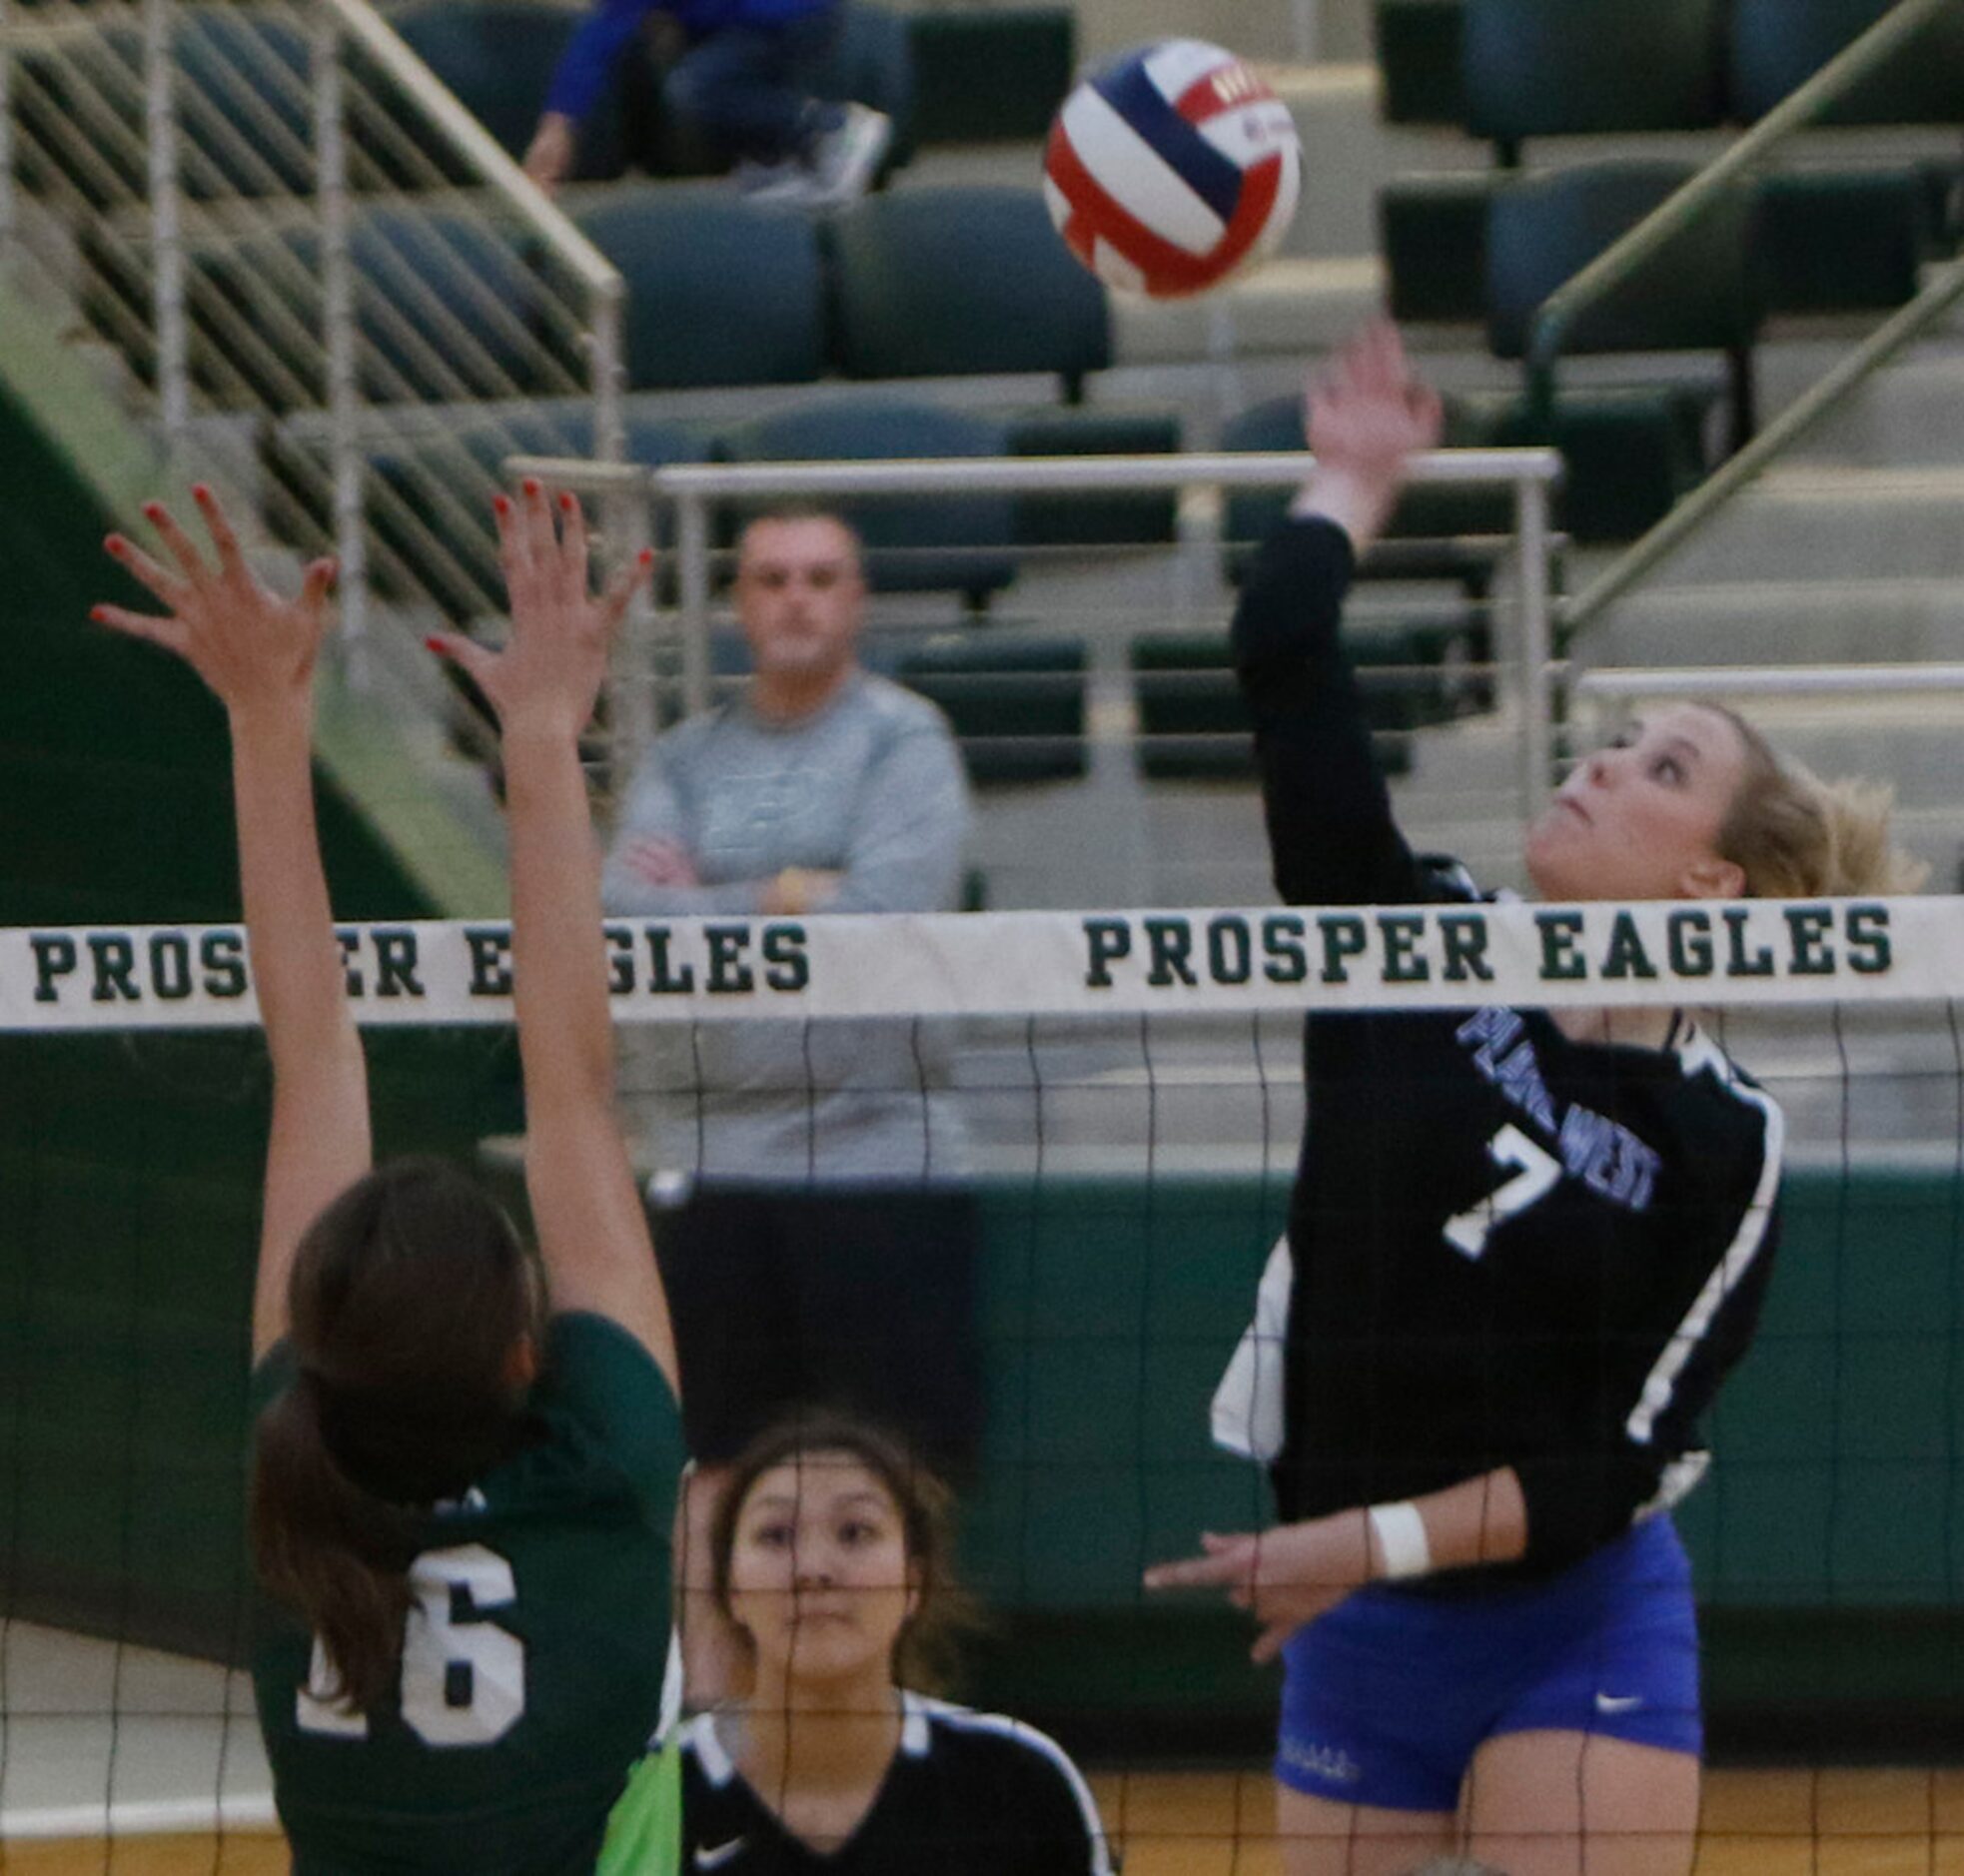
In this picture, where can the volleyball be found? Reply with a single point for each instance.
(1172, 169)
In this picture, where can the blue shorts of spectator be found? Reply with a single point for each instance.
(1388, 1697)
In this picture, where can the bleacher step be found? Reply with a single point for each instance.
(1875, 621)
(1911, 417)
(1823, 522)
(1290, 307)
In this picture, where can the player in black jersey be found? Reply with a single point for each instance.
(1525, 1248)
(829, 1556)
(466, 1466)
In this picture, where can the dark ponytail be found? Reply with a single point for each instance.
(409, 1296)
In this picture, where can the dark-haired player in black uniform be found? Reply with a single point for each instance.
(1526, 1247)
(830, 1557)
(465, 1468)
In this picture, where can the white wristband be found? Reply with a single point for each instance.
(1401, 1542)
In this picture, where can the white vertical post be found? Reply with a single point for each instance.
(630, 700)
(692, 550)
(1537, 648)
(7, 207)
(1308, 31)
(339, 338)
(166, 223)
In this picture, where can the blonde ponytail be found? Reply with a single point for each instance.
(1798, 837)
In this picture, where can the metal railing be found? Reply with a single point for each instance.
(691, 493)
(1559, 314)
(277, 213)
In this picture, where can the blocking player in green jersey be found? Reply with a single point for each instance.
(466, 1457)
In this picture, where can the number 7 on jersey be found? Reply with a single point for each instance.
(1537, 1173)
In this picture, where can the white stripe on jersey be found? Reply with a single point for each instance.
(1701, 1056)
(966, 1719)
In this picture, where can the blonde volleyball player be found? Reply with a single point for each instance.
(1528, 1246)
(466, 1457)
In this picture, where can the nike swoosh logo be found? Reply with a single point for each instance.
(722, 1854)
(1618, 1702)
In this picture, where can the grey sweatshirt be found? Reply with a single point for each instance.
(869, 786)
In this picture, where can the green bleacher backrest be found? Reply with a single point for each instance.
(719, 291)
(1694, 294)
(1421, 47)
(1842, 241)
(1016, 702)
(991, 76)
(1054, 519)
(1544, 68)
(963, 279)
(1433, 235)
(1776, 45)
(914, 544)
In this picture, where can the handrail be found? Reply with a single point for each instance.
(693, 487)
(1559, 313)
(1008, 474)
(1698, 509)
(1766, 680)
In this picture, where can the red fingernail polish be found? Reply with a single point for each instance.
(436, 645)
(532, 485)
(565, 502)
(646, 556)
(501, 504)
(201, 490)
(153, 508)
(100, 614)
(111, 543)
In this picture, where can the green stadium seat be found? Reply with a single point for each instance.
(1697, 294)
(1433, 235)
(1421, 46)
(1842, 241)
(1776, 45)
(994, 76)
(914, 544)
(1056, 520)
(1549, 68)
(1016, 703)
(1437, 517)
(499, 57)
(719, 291)
(1193, 726)
(961, 280)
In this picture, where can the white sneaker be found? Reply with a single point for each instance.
(790, 181)
(846, 159)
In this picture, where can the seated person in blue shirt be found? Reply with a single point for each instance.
(744, 79)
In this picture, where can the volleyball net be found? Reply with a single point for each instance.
(1121, 1094)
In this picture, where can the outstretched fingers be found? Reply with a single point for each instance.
(171, 633)
(231, 559)
(623, 587)
(574, 550)
(177, 542)
(146, 572)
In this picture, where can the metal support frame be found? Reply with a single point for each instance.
(166, 223)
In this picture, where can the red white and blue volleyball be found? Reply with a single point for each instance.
(1172, 169)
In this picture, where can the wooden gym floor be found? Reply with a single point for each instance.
(1869, 1822)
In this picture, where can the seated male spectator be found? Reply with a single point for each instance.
(743, 77)
(814, 1244)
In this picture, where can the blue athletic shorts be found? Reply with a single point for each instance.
(1386, 1698)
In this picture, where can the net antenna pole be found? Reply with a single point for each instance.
(339, 336)
(1536, 698)
(166, 223)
